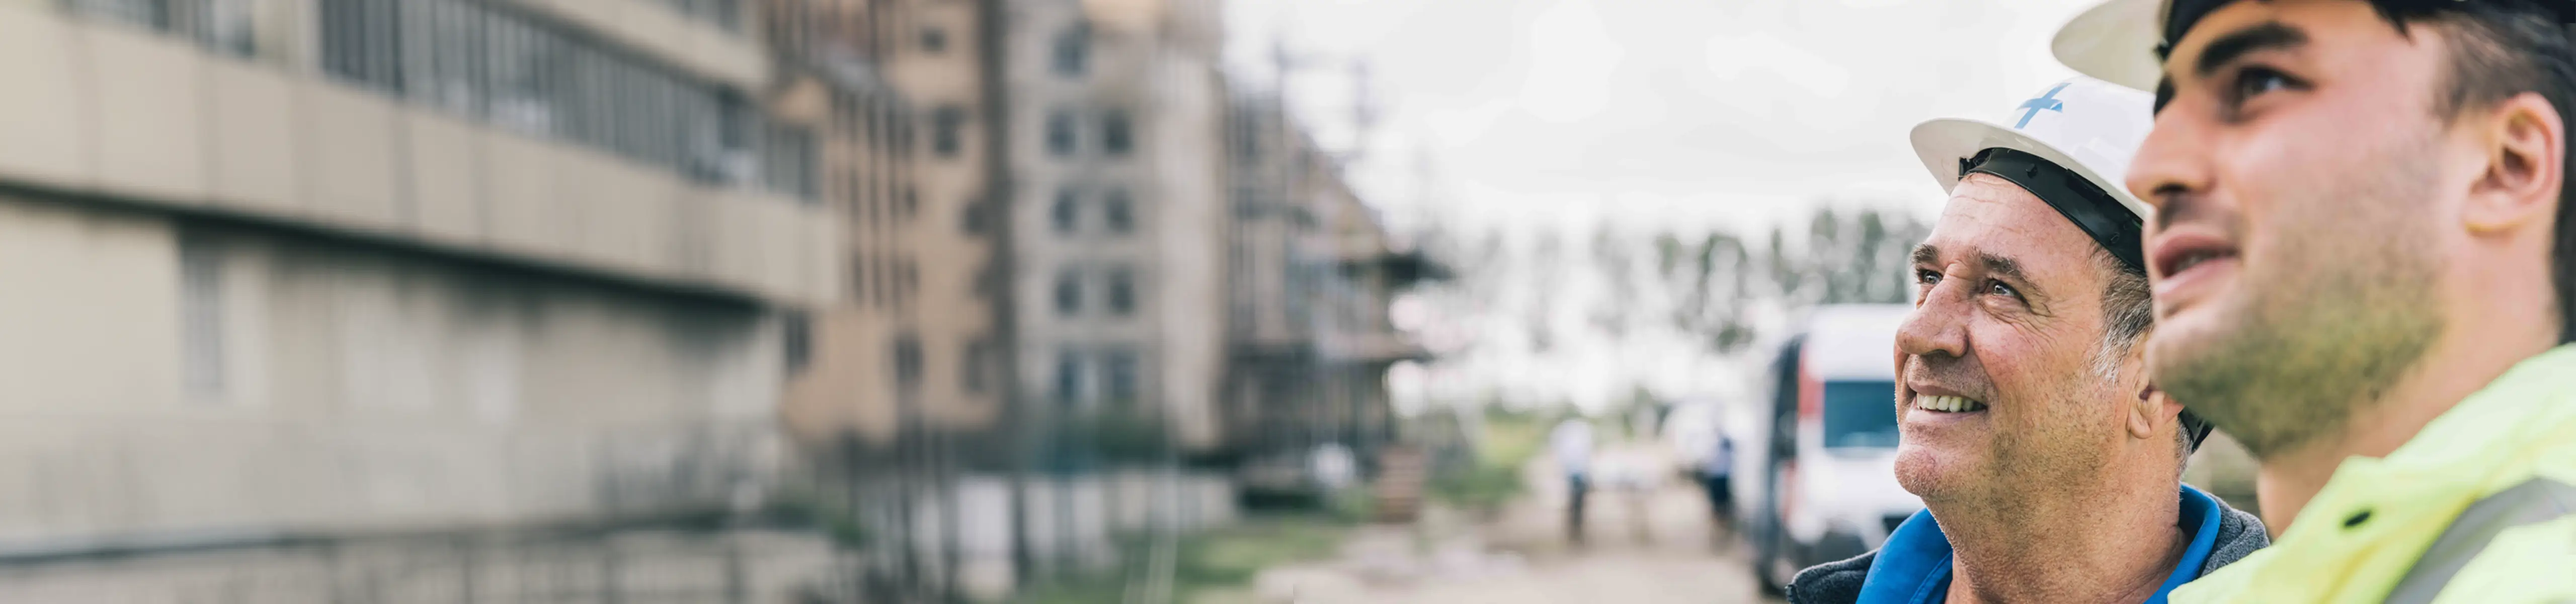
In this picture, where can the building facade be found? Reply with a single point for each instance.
(282, 271)
(1116, 111)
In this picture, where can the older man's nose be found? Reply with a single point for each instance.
(1937, 326)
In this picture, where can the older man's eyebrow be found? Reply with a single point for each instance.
(1926, 254)
(2007, 268)
(2268, 35)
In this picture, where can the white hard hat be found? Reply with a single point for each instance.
(2116, 42)
(2086, 127)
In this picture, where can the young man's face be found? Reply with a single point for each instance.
(2300, 172)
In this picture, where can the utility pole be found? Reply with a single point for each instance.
(991, 45)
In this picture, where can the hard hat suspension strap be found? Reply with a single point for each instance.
(2096, 212)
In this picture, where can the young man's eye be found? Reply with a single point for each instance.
(2255, 81)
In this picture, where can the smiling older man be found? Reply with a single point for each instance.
(2049, 467)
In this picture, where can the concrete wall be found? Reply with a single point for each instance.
(731, 567)
(171, 378)
(105, 110)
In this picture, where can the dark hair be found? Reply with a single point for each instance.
(2499, 49)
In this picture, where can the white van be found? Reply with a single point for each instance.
(1820, 484)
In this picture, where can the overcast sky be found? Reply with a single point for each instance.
(1526, 115)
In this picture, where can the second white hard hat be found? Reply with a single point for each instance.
(2116, 42)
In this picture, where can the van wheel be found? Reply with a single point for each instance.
(1782, 555)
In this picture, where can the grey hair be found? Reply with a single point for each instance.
(2128, 312)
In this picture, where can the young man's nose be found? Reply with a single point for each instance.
(2173, 161)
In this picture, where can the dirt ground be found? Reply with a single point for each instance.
(1650, 540)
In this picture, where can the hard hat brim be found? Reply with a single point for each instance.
(1945, 142)
(2115, 42)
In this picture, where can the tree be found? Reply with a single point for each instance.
(1713, 282)
(1848, 258)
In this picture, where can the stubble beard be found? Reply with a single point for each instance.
(2322, 333)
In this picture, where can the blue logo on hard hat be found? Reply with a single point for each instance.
(2045, 102)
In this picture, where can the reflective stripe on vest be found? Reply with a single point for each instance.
(2532, 502)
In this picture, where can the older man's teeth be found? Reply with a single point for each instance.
(1947, 404)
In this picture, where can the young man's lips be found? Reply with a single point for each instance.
(2184, 259)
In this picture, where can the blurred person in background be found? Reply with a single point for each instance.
(2363, 271)
(1715, 472)
(1571, 443)
(2049, 467)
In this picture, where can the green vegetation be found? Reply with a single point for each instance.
(1505, 442)
(1217, 559)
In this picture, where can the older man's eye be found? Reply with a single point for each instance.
(1927, 277)
(2000, 289)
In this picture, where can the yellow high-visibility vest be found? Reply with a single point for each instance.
(2505, 455)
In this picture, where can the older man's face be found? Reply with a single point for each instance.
(2008, 315)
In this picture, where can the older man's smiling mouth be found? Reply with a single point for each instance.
(1947, 404)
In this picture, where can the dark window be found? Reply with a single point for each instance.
(1068, 378)
(1068, 294)
(877, 279)
(1066, 214)
(946, 130)
(1117, 212)
(910, 202)
(975, 219)
(859, 277)
(907, 361)
(1118, 376)
(153, 14)
(1072, 50)
(800, 342)
(222, 26)
(1246, 132)
(1117, 136)
(934, 40)
(971, 368)
(790, 166)
(1860, 414)
(201, 314)
(720, 13)
(1122, 292)
(911, 278)
(531, 76)
(1059, 134)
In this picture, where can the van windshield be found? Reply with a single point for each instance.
(1860, 414)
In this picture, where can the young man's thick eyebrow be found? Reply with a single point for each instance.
(1926, 254)
(2227, 48)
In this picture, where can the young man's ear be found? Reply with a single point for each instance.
(2524, 142)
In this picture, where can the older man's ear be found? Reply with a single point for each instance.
(2153, 408)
